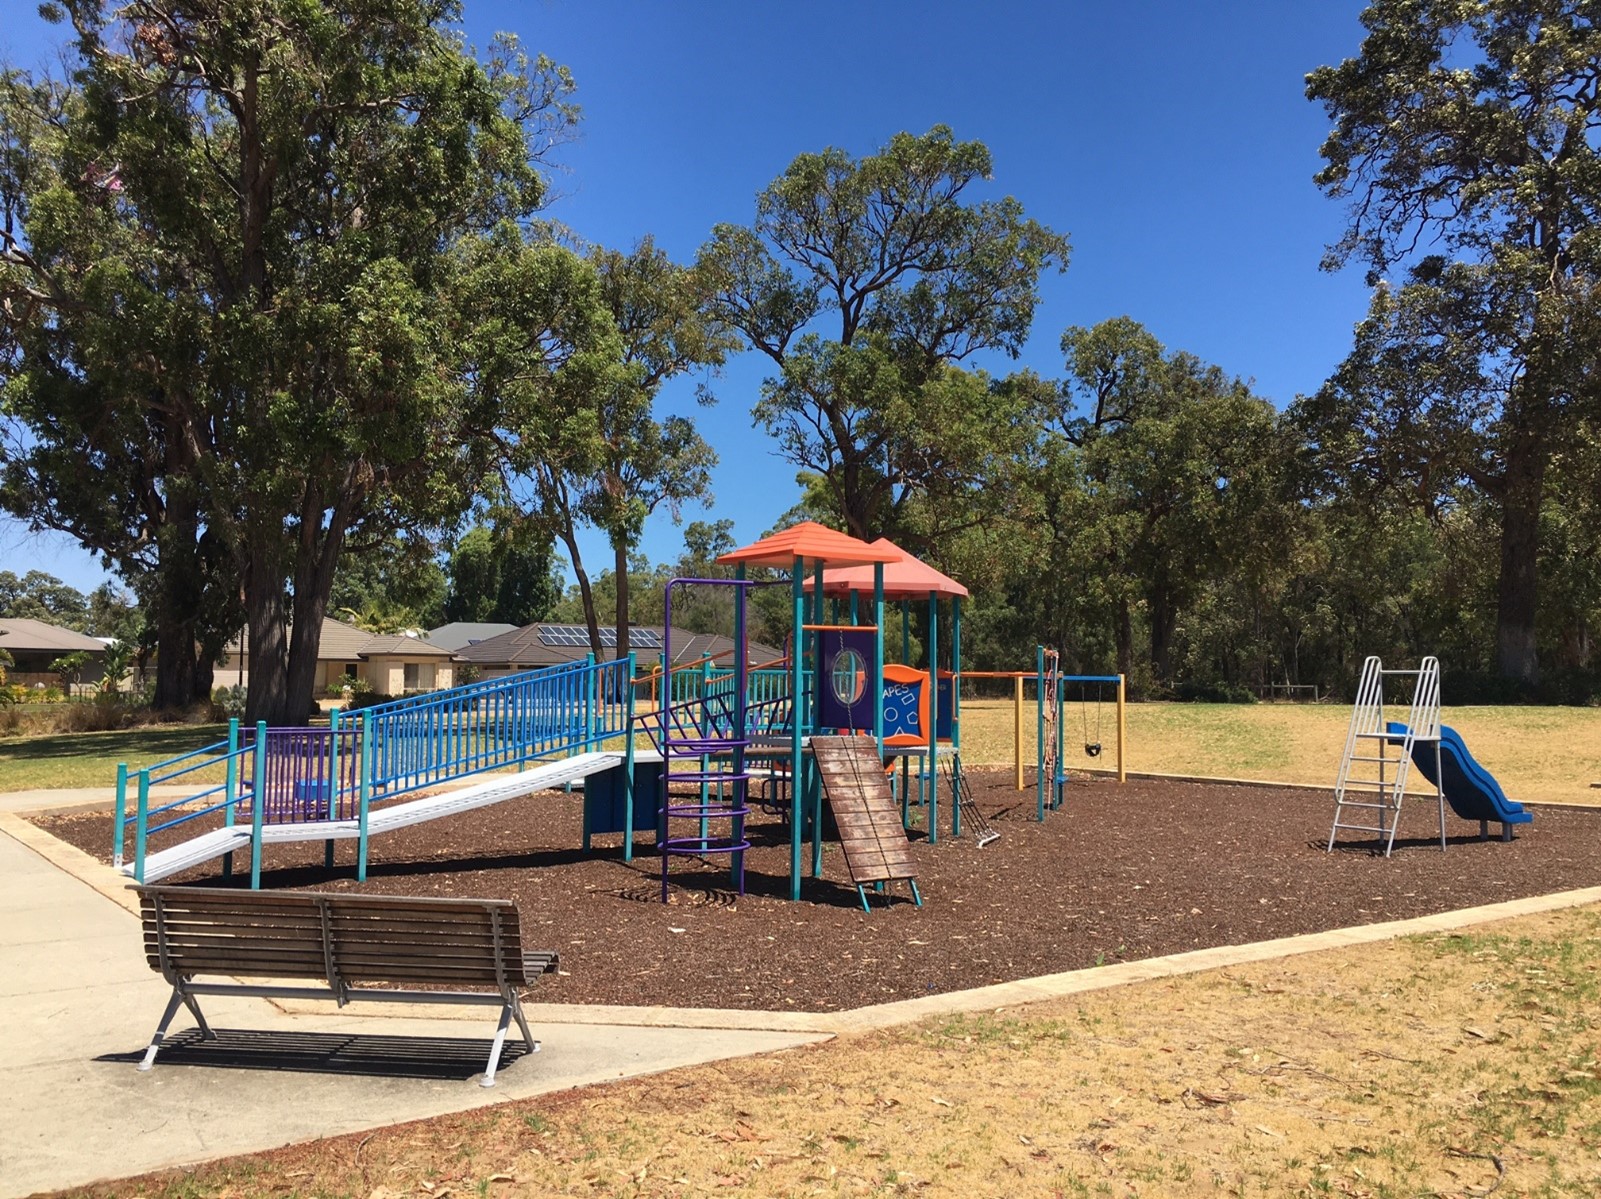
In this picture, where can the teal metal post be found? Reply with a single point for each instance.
(814, 789)
(933, 719)
(139, 828)
(628, 771)
(230, 793)
(333, 783)
(364, 798)
(119, 827)
(878, 652)
(258, 805)
(797, 598)
(589, 699)
(1039, 729)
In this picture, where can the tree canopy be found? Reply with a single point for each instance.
(867, 283)
(1469, 128)
(228, 256)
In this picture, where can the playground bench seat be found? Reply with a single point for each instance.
(356, 947)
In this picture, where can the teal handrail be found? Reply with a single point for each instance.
(404, 745)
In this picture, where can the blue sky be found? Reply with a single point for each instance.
(1170, 140)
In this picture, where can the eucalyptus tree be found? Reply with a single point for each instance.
(662, 313)
(1468, 130)
(868, 282)
(543, 361)
(230, 237)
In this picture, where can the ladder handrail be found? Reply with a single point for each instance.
(1368, 721)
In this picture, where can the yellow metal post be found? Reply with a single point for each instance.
(1017, 731)
(1122, 729)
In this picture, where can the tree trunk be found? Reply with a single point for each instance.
(314, 581)
(620, 557)
(586, 590)
(1163, 618)
(1125, 640)
(268, 691)
(175, 662)
(1517, 590)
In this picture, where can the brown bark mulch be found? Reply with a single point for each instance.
(1122, 872)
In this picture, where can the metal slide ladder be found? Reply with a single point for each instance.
(962, 793)
(1376, 762)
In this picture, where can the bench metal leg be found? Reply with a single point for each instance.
(179, 995)
(161, 1029)
(522, 1025)
(500, 1043)
(200, 1018)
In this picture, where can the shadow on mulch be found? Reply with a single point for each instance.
(1121, 872)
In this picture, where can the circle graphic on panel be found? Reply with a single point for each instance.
(848, 676)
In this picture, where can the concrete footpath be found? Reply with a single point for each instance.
(78, 1004)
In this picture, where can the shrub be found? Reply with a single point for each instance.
(229, 701)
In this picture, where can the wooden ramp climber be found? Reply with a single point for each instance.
(869, 820)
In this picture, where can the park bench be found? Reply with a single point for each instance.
(369, 947)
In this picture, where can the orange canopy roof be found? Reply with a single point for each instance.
(815, 543)
(905, 578)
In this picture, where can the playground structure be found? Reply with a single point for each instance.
(1376, 762)
(715, 731)
(1379, 753)
(1051, 740)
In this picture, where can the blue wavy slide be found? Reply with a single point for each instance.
(1470, 789)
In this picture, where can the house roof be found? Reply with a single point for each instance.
(525, 648)
(343, 642)
(22, 635)
(459, 634)
(394, 646)
(909, 578)
(811, 541)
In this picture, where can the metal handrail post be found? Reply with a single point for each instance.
(365, 797)
(589, 701)
(258, 803)
(119, 829)
(231, 790)
(333, 783)
(628, 766)
(139, 829)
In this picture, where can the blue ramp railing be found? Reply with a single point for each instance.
(372, 757)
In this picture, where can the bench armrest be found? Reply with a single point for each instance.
(539, 961)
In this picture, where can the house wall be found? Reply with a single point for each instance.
(388, 675)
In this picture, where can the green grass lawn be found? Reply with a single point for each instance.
(1536, 753)
(90, 759)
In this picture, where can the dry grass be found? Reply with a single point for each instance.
(1550, 754)
(1451, 1065)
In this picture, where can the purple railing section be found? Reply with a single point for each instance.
(300, 762)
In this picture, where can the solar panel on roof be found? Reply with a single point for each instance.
(577, 636)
